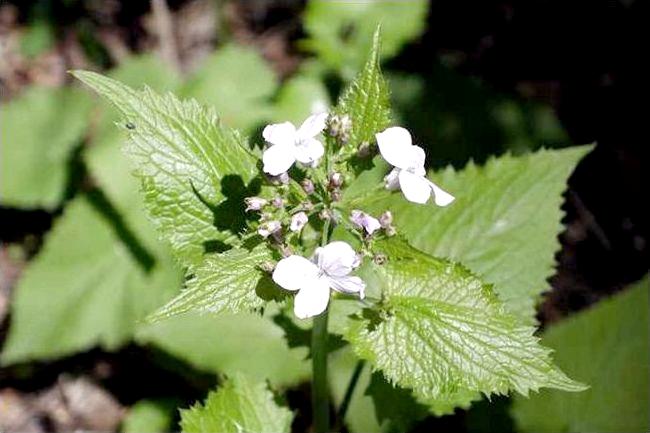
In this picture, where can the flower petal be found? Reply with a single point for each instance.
(278, 159)
(395, 146)
(295, 272)
(417, 157)
(309, 150)
(416, 188)
(391, 181)
(298, 221)
(312, 299)
(440, 196)
(312, 126)
(336, 259)
(280, 133)
(349, 285)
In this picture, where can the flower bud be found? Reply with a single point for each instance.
(364, 150)
(335, 180)
(336, 195)
(267, 267)
(307, 186)
(307, 205)
(364, 221)
(386, 219)
(254, 203)
(340, 127)
(325, 215)
(298, 221)
(379, 259)
(277, 202)
(390, 231)
(268, 228)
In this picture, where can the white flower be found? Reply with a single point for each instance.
(267, 228)
(397, 149)
(298, 221)
(289, 145)
(365, 221)
(314, 279)
(255, 203)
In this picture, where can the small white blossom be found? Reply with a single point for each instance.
(386, 219)
(298, 221)
(289, 144)
(364, 221)
(268, 228)
(254, 203)
(395, 146)
(313, 280)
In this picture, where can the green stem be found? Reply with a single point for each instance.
(319, 391)
(349, 391)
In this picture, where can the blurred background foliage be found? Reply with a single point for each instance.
(80, 265)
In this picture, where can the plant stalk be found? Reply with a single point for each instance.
(319, 336)
(319, 391)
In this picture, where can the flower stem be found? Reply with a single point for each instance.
(319, 391)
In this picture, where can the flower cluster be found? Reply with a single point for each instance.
(315, 203)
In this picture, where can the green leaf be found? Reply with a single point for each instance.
(194, 172)
(230, 343)
(366, 100)
(608, 347)
(238, 83)
(150, 416)
(503, 225)
(441, 331)
(228, 282)
(238, 405)
(109, 166)
(340, 32)
(84, 288)
(39, 131)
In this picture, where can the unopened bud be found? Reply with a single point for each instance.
(340, 127)
(379, 259)
(267, 267)
(364, 150)
(254, 203)
(390, 231)
(277, 202)
(268, 228)
(336, 195)
(307, 205)
(335, 180)
(307, 186)
(325, 214)
(386, 219)
(282, 178)
(298, 221)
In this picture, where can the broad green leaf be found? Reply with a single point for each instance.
(607, 347)
(84, 288)
(109, 166)
(150, 416)
(238, 405)
(40, 128)
(299, 97)
(230, 343)
(441, 332)
(238, 83)
(340, 32)
(194, 172)
(503, 225)
(228, 282)
(366, 100)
